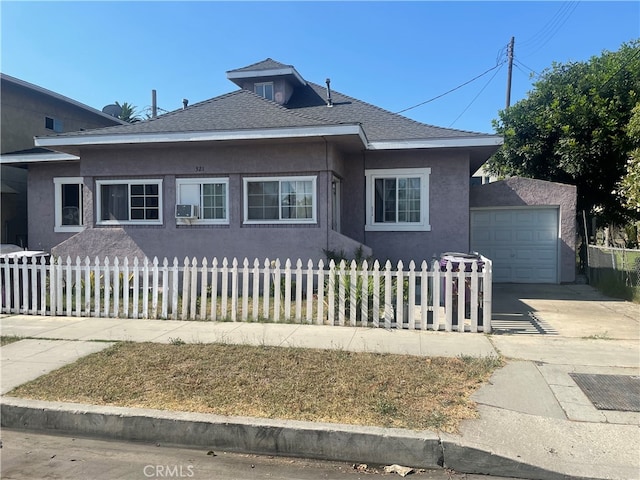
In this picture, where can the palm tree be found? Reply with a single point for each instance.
(128, 113)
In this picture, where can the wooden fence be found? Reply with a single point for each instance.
(334, 294)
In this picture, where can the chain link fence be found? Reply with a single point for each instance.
(615, 271)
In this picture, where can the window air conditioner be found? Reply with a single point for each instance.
(186, 211)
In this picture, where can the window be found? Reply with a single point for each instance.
(265, 90)
(273, 200)
(68, 204)
(210, 195)
(129, 201)
(398, 199)
(53, 124)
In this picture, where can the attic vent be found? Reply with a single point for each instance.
(329, 101)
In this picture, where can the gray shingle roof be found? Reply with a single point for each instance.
(244, 110)
(268, 64)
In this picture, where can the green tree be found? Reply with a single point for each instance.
(571, 128)
(629, 187)
(128, 113)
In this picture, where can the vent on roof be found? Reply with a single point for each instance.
(329, 101)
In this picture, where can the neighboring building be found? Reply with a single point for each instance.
(281, 168)
(26, 111)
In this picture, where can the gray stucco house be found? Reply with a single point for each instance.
(27, 110)
(280, 168)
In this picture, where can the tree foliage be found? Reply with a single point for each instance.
(572, 128)
(128, 113)
(629, 187)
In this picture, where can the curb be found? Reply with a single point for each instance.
(321, 441)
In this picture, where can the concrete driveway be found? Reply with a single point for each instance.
(565, 310)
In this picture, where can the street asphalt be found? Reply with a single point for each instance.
(535, 420)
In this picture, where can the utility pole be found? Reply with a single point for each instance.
(510, 57)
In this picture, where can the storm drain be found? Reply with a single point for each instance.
(610, 392)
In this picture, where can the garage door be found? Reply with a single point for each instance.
(522, 242)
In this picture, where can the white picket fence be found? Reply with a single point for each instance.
(333, 294)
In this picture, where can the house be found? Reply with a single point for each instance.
(27, 110)
(279, 168)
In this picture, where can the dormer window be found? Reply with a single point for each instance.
(265, 90)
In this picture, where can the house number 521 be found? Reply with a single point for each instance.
(199, 169)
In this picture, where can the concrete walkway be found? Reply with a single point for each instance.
(535, 421)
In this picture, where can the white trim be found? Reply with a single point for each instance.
(304, 221)
(372, 174)
(273, 72)
(58, 226)
(200, 181)
(477, 141)
(258, 134)
(37, 158)
(129, 182)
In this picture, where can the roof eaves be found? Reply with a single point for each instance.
(458, 142)
(25, 158)
(218, 135)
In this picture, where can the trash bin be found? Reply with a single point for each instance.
(457, 259)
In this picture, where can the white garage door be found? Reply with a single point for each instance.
(522, 242)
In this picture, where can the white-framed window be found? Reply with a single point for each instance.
(265, 90)
(129, 202)
(397, 199)
(209, 195)
(68, 204)
(280, 200)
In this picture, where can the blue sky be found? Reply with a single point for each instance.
(392, 54)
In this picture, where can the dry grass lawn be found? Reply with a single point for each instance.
(270, 382)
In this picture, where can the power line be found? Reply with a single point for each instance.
(519, 64)
(452, 90)
(479, 93)
(543, 36)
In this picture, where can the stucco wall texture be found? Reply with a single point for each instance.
(523, 192)
(448, 202)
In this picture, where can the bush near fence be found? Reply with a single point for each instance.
(615, 271)
(354, 294)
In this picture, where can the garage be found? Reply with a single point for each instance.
(523, 242)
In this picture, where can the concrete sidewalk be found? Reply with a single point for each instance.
(535, 421)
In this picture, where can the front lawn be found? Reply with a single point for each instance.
(271, 382)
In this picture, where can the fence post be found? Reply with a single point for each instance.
(256, 290)
(193, 288)
(175, 270)
(136, 287)
(376, 294)
(154, 288)
(320, 319)
(388, 287)
(204, 276)
(298, 290)
(364, 296)
(462, 293)
(309, 314)
(342, 302)
(234, 290)
(78, 285)
(331, 294)
(165, 288)
(287, 290)
(276, 291)
(353, 298)
(245, 289)
(486, 295)
(412, 296)
(116, 287)
(214, 289)
(474, 296)
(266, 288)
